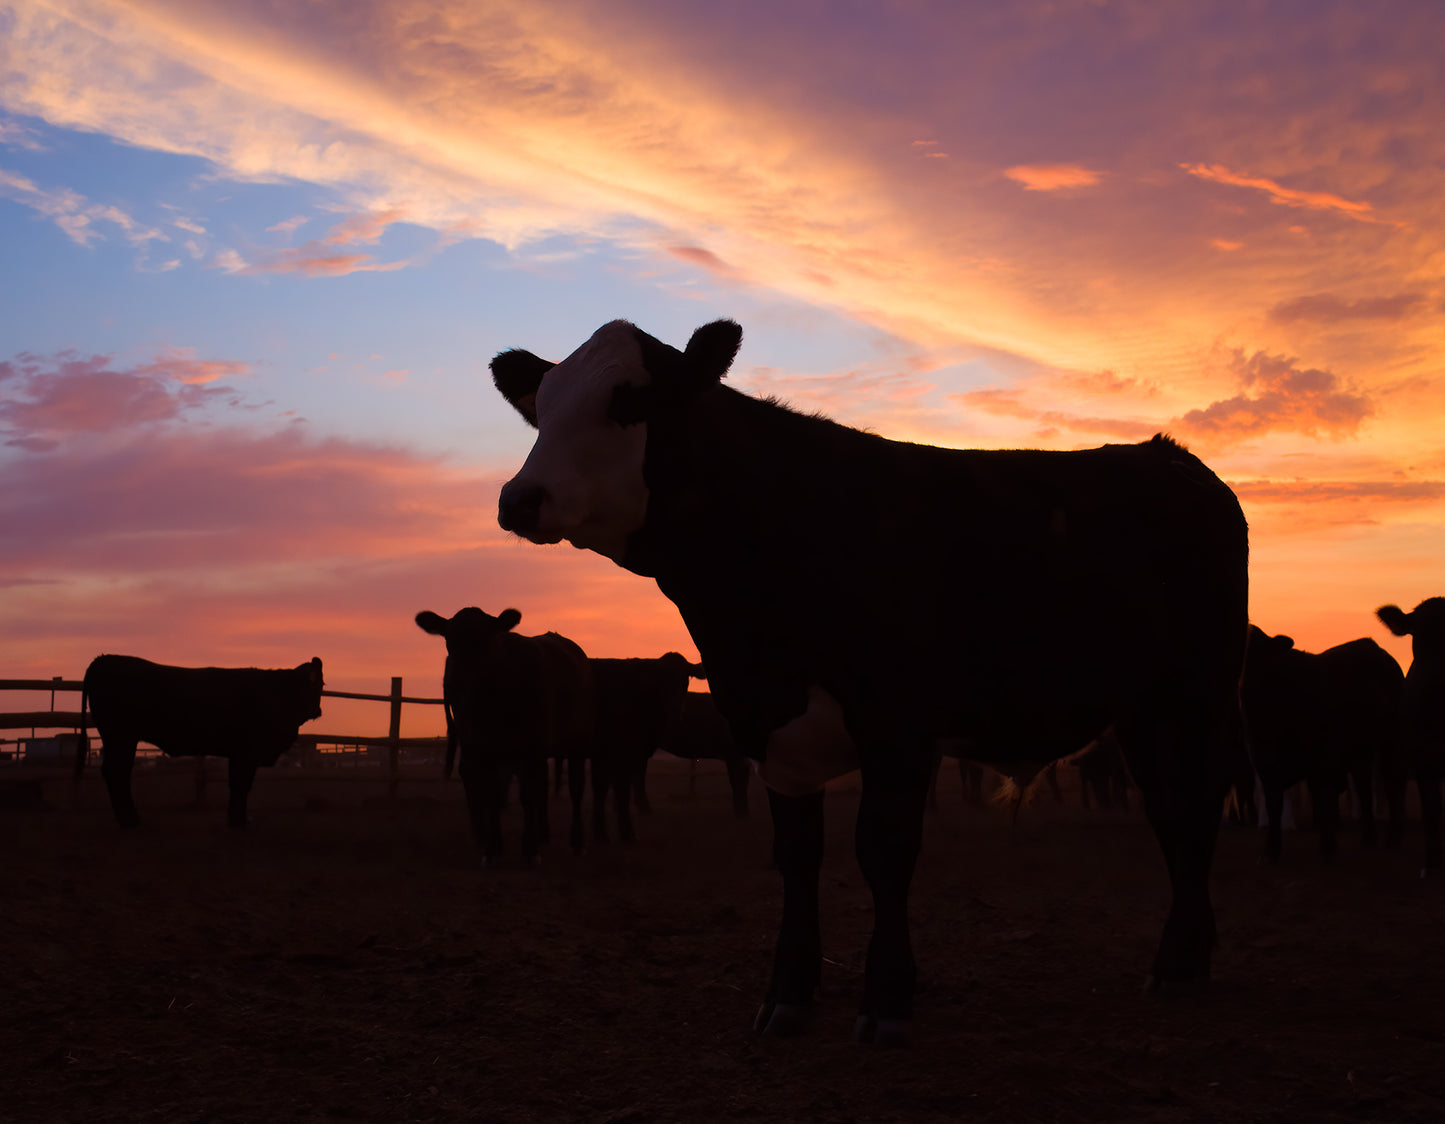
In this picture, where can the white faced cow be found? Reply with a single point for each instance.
(1422, 711)
(856, 600)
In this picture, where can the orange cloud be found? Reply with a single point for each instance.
(1277, 395)
(1052, 177)
(1288, 197)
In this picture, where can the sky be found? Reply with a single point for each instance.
(255, 257)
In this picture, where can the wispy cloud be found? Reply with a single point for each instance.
(17, 135)
(288, 227)
(73, 212)
(319, 256)
(1285, 196)
(1328, 308)
(1052, 177)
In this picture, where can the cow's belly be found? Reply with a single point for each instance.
(810, 750)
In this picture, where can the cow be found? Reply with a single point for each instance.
(857, 599)
(637, 707)
(248, 715)
(1422, 711)
(704, 735)
(511, 702)
(1322, 718)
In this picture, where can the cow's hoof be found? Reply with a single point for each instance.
(886, 1034)
(1193, 985)
(782, 1020)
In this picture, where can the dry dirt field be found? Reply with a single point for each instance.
(343, 959)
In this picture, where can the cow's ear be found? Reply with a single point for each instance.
(1395, 619)
(509, 619)
(431, 622)
(315, 666)
(518, 374)
(713, 348)
(1284, 643)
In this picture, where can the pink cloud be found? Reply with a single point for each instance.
(181, 365)
(45, 399)
(319, 258)
(1052, 177)
(368, 226)
(314, 260)
(697, 255)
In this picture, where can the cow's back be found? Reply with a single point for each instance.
(189, 711)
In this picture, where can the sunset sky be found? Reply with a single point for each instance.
(255, 257)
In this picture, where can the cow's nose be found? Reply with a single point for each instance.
(520, 506)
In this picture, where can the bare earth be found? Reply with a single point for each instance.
(344, 959)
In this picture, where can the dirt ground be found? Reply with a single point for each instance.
(347, 959)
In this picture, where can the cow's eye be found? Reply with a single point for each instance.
(630, 404)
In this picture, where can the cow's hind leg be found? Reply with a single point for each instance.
(738, 769)
(798, 959)
(1325, 799)
(240, 774)
(1364, 780)
(1179, 767)
(887, 840)
(1274, 811)
(117, 758)
(576, 784)
(1428, 780)
(532, 794)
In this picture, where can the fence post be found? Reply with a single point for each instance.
(201, 781)
(394, 734)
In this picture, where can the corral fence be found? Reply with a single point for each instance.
(336, 756)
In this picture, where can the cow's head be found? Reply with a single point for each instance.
(308, 675)
(583, 479)
(471, 631)
(1425, 623)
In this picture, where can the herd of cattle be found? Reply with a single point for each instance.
(861, 603)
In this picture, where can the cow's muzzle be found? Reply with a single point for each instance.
(519, 507)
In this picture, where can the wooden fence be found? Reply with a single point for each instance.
(79, 720)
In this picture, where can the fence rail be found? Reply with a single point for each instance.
(392, 741)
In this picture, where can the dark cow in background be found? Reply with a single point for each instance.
(248, 715)
(1322, 718)
(512, 702)
(704, 735)
(1422, 710)
(637, 707)
(856, 599)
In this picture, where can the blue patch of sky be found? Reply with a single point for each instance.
(323, 346)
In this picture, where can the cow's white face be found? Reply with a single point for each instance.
(583, 480)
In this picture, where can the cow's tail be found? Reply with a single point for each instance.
(451, 756)
(82, 743)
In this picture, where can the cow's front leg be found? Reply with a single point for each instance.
(485, 783)
(889, 834)
(240, 774)
(798, 959)
(117, 758)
